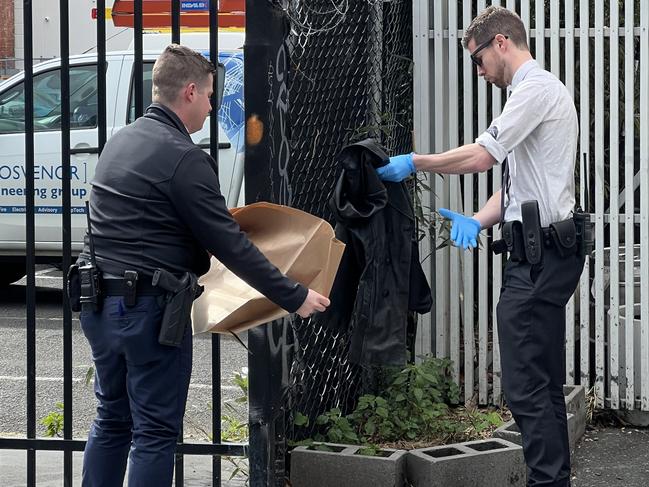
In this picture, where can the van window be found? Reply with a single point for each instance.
(147, 71)
(47, 101)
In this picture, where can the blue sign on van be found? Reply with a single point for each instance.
(195, 5)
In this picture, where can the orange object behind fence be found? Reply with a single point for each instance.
(157, 13)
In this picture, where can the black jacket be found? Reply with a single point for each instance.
(380, 278)
(156, 203)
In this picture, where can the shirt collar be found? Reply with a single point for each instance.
(165, 113)
(522, 71)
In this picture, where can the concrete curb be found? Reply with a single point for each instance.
(484, 463)
(344, 466)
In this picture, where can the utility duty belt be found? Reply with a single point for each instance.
(87, 289)
(526, 240)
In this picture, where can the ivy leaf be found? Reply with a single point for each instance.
(300, 419)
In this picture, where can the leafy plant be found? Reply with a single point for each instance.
(414, 406)
(53, 421)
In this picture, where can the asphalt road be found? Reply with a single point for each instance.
(49, 365)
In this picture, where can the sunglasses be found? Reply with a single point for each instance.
(476, 60)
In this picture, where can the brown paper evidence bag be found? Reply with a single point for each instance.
(301, 245)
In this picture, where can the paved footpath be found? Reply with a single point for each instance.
(49, 470)
(605, 457)
(612, 457)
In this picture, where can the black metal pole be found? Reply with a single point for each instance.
(216, 339)
(138, 74)
(66, 236)
(175, 21)
(101, 74)
(30, 297)
(267, 154)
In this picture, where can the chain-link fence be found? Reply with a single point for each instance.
(350, 77)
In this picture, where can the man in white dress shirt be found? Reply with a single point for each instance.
(535, 138)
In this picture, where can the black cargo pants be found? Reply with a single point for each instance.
(531, 326)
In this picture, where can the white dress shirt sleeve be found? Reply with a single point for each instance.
(525, 109)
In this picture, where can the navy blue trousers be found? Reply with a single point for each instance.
(532, 329)
(142, 389)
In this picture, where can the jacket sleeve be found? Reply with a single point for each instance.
(195, 193)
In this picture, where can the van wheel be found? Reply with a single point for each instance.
(11, 272)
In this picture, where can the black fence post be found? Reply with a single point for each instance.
(267, 179)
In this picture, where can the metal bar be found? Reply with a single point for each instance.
(41, 444)
(569, 49)
(421, 115)
(496, 272)
(214, 152)
(563, 31)
(101, 76)
(483, 264)
(216, 406)
(555, 40)
(138, 73)
(66, 236)
(614, 227)
(600, 334)
(629, 217)
(86, 150)
(525, 17)
(539, 42)
(441, 187)
(175, 21)
(644, 201)
(467, 258)
(30, 291)
(584, 121)
(498, 278)
(455, 197)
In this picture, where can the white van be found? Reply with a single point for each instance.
(120, 111)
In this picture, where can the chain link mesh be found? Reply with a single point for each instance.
(350, 77)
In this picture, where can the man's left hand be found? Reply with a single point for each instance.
(464, 229)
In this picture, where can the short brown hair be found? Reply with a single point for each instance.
(496, 20)
(175, 68)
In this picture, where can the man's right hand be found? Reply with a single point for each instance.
(398, 169)
(314, 302)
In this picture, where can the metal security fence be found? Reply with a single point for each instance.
(333, 72)
(30, 443)
(600, 50)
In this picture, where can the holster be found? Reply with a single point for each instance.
(84, 287)
(511, 241)
(178, 304)
(73, 289)
(564, 236)
(532, 232)
(584, 232)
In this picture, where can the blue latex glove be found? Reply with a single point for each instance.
(398, 169)
(464, 229)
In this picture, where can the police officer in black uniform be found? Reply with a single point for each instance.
(535, 137)
(155, 204)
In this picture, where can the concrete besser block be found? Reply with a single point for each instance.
(576, 404)
(510, 432)
(483, 463)
(345, 467)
